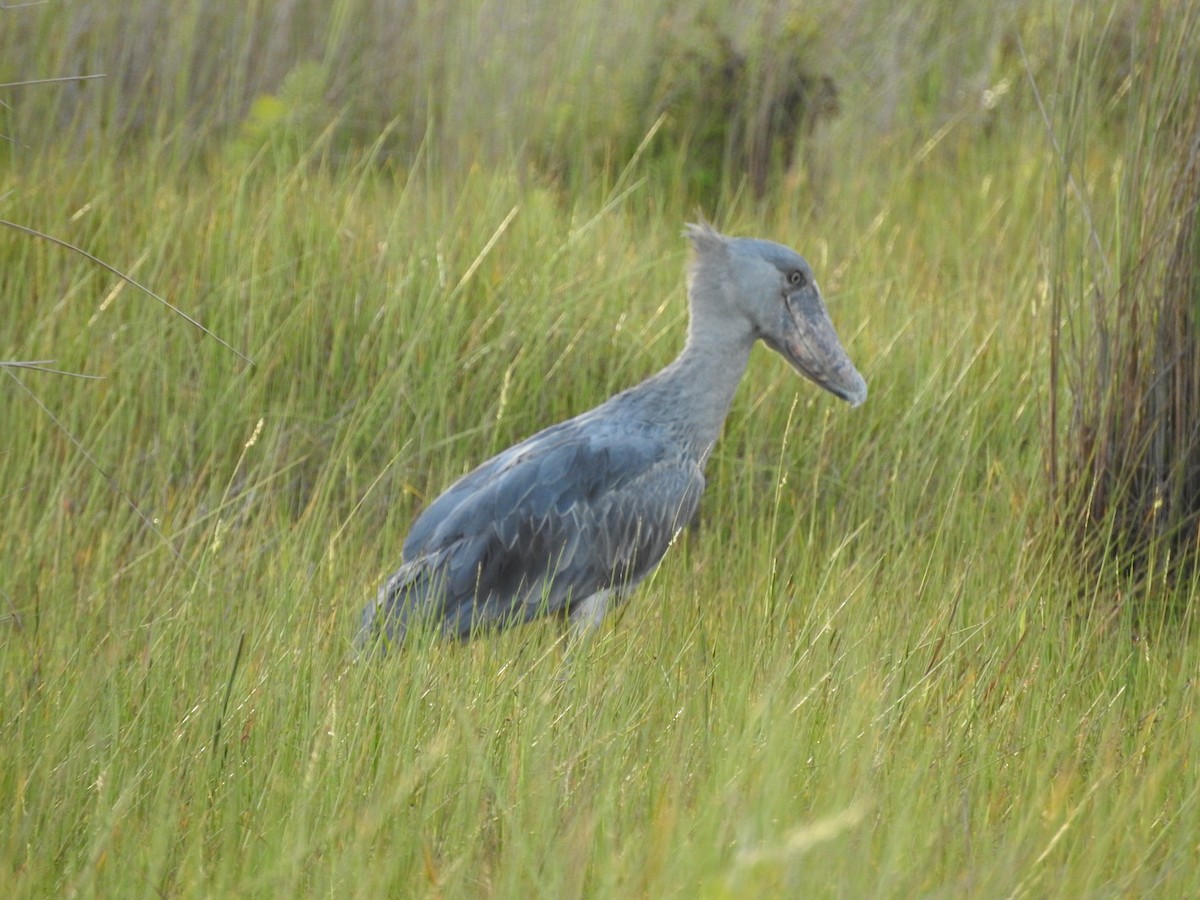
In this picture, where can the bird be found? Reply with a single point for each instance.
(567, 522)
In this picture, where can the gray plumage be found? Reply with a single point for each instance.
(571, 519)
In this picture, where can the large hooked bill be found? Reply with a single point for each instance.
(812, 346)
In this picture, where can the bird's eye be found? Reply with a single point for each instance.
(796, 278)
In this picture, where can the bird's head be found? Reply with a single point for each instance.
(772, 290)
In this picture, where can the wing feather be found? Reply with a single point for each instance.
(578, 508)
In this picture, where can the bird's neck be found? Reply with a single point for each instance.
(691, 396)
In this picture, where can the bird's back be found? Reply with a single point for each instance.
(581, 507)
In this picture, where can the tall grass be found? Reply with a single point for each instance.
(1124, 452)
(856, 677)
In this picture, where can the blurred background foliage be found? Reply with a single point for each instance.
(725, 95)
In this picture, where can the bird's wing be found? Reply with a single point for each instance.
(573, 511)
(429, 521)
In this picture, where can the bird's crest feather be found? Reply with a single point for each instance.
(705, 239)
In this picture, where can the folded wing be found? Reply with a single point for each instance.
(579, 508)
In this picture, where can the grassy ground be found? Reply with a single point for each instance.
(867, 672)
